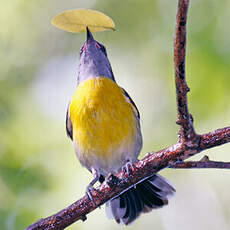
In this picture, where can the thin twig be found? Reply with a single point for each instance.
(204, 163)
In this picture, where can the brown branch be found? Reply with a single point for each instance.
(150, 164)
(189, 144)
(185, 120)
(204, 163)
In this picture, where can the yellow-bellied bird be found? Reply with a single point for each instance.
(104, 125)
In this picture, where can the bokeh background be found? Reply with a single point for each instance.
(39, 172)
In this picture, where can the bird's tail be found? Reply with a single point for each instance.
(145, 196)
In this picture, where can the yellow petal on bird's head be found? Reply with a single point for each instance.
(77, 20)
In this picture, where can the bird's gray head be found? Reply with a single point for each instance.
(93, 60)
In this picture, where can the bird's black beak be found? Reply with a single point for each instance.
(89, 35)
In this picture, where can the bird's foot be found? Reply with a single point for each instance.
(89, 191)
(128, 168)
(90, 188)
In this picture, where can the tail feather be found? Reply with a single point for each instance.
(117, 208)
(165, 188)
(150, 194)
(155, 201)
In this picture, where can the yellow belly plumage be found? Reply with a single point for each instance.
(103, 122)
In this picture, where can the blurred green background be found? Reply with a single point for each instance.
(39, 172)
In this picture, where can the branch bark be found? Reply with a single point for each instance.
(204, 163)
(187, 134)
(189, 144)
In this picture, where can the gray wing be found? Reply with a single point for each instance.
(69, 128)
(132, 102)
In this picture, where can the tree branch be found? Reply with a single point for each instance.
(114, 185)
(189, 144)
(185, 120)
(204, 163)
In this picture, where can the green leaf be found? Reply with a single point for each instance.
(76, 21)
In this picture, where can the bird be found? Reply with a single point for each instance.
(103, 123)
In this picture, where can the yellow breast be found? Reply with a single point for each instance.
(102, 118)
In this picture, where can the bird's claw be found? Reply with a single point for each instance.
(128, 168)
(89, 189)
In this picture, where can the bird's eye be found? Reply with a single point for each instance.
(98, 46)
(102, 48)
(83, 48)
